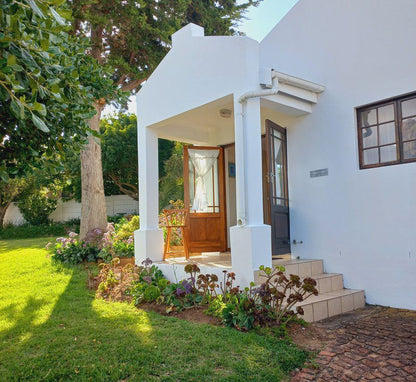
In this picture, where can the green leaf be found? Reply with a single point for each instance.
(39, 107)
(55, 89)
(44, 44)
(39, 123)
(11, 60)
(35, 8)
(18, 109)
(17, 68)
(57, 16)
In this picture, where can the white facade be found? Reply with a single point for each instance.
(360, 221)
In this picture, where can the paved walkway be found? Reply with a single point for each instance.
(371, 344)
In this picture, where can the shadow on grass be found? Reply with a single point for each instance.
(88, 339)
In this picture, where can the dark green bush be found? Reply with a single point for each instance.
(37, 207)
(26, 231)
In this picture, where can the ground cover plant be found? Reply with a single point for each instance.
(52, 328)
(272, 303)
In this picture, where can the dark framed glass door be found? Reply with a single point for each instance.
(277, 188)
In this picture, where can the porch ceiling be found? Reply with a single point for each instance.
(202, 125)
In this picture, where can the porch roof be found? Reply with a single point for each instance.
(202, 75)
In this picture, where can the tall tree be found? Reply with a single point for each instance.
(119, 158)
(133, 36)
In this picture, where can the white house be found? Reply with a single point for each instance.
(305, 144)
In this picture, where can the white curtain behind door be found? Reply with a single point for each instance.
(202, 160)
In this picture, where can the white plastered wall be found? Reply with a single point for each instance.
(361, 222)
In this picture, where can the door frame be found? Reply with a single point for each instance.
(270, 159)
(222, 245)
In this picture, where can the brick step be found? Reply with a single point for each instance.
(332, 303)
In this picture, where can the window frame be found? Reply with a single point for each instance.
(396, 102)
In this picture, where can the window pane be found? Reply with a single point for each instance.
(409, 129)
(387, 133)
(386, 113)
(370, 156)
(368, 117)
(409, 107)
(388, 153)
(369, 136)
(409, 150)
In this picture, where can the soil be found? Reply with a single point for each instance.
(196, 314)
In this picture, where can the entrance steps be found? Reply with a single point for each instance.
(332, 299)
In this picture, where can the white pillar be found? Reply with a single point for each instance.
(250, 238)
(148, 240)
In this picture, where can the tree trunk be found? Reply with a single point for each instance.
(93, 208)
(3, 210)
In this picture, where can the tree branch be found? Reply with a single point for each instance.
(131, 85)
(133, 193)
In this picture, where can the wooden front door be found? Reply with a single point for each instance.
(204, 195)
(277, 190)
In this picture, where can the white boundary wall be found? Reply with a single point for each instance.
(116, 204)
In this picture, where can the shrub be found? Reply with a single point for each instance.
(37, 207)
(69, 250)
(26, 231)
(149, 285)
(114, 281)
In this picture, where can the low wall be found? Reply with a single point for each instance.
(116, 204)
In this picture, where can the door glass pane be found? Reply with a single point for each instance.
(370, 156)
(387, 133)
(409, 150)
(409, 129)
(203, 180)
(369, 136)
(386, 113)
(368, 117)
(388, 153)
(409, 108)
(279, 173)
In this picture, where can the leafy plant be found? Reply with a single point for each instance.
(70, 250)
(37, 207)
(114, 281)
(280, 293)
(149, 285)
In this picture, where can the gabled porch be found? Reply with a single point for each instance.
(245, 186)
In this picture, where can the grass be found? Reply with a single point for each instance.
(52, 328)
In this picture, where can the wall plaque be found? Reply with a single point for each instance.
(319, 172)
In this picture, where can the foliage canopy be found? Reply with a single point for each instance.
(47, 85)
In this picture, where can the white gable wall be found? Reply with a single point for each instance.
(196, 71)
(361, 222)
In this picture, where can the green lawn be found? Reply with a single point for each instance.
(52, 328)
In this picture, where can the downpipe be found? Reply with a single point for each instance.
(240, 151)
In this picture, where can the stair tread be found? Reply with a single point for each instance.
(324, 275)
(316, 276)
(329, 296)
(294, 261)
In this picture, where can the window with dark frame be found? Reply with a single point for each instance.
(387, 132)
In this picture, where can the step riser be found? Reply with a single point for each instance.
(323, 284)
(303, 269)
(329, 284)
(330, 307)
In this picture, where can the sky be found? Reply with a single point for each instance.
(258, 22)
